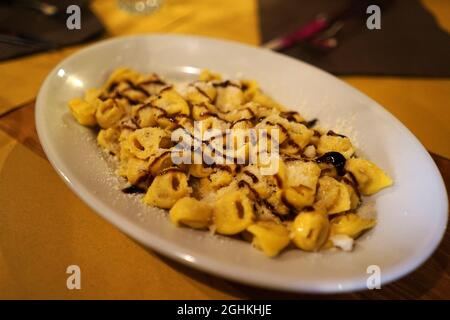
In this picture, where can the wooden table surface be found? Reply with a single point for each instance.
(430, 281)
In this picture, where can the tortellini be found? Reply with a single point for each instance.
(146, 142)
(269, 236)
(310, 230)
(108, 113)
(309, 202)
(302, 178)
(233, 213)
(167, 188)
(108, 139)
(351, 225)
(192, 213)
(229, 96)
(369, 177)
(332, 142)
(136, 170)
(333, 195)
(171, 102)
(83, 111)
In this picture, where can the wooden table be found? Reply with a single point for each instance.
(430, 281)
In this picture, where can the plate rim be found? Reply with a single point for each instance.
(202, 262)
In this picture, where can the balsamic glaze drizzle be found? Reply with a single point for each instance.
(133, 189)
(334, 158)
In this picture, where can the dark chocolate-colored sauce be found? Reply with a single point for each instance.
(225, 84)
(282, 128)
(266, 203)
(334, 158)
(289, 115)
(240, 209)
(158, 158)
(310, 124)
(153, 81)
(112, 87)
(243, 184)
(334, 134)
(278, 181)
(134, 87)
(237, 121)
(350, 179)
(133, 189)
(252, 176)
(164, 89)
(171, 169)
(120, 95)
(203, 93)
(287, 204)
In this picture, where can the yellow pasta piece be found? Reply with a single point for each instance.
(229, 96)
(266, 101)
(199, 170)
(122, 74)
(207, 75)
(250, 88)
(277, 201)
(310, 230)
(159, 162)
(192, 213)
(351, 225)
(200, 92)
(108, 113)
(83, 112)
(220, 178)
(136, 170)
(166, 189)
(238, 114)
(171, 102)
(146, 142)
(370, 178)
(299, 197)
(92, 94)
(328, 143)
(145, 115)
(354, 197)
(269, 236)
(233, 213)
(300, 173)
(200, 111)
(258, 182)
(300, 134)
(108, 139)
(333, 195)
(300, 184)
(270, 128)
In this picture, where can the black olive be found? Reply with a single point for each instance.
(334, 158)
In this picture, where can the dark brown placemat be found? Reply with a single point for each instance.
(410, 42)
(45, 32)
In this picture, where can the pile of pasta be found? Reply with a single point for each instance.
(311, 202)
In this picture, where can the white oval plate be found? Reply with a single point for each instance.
(412, 215)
